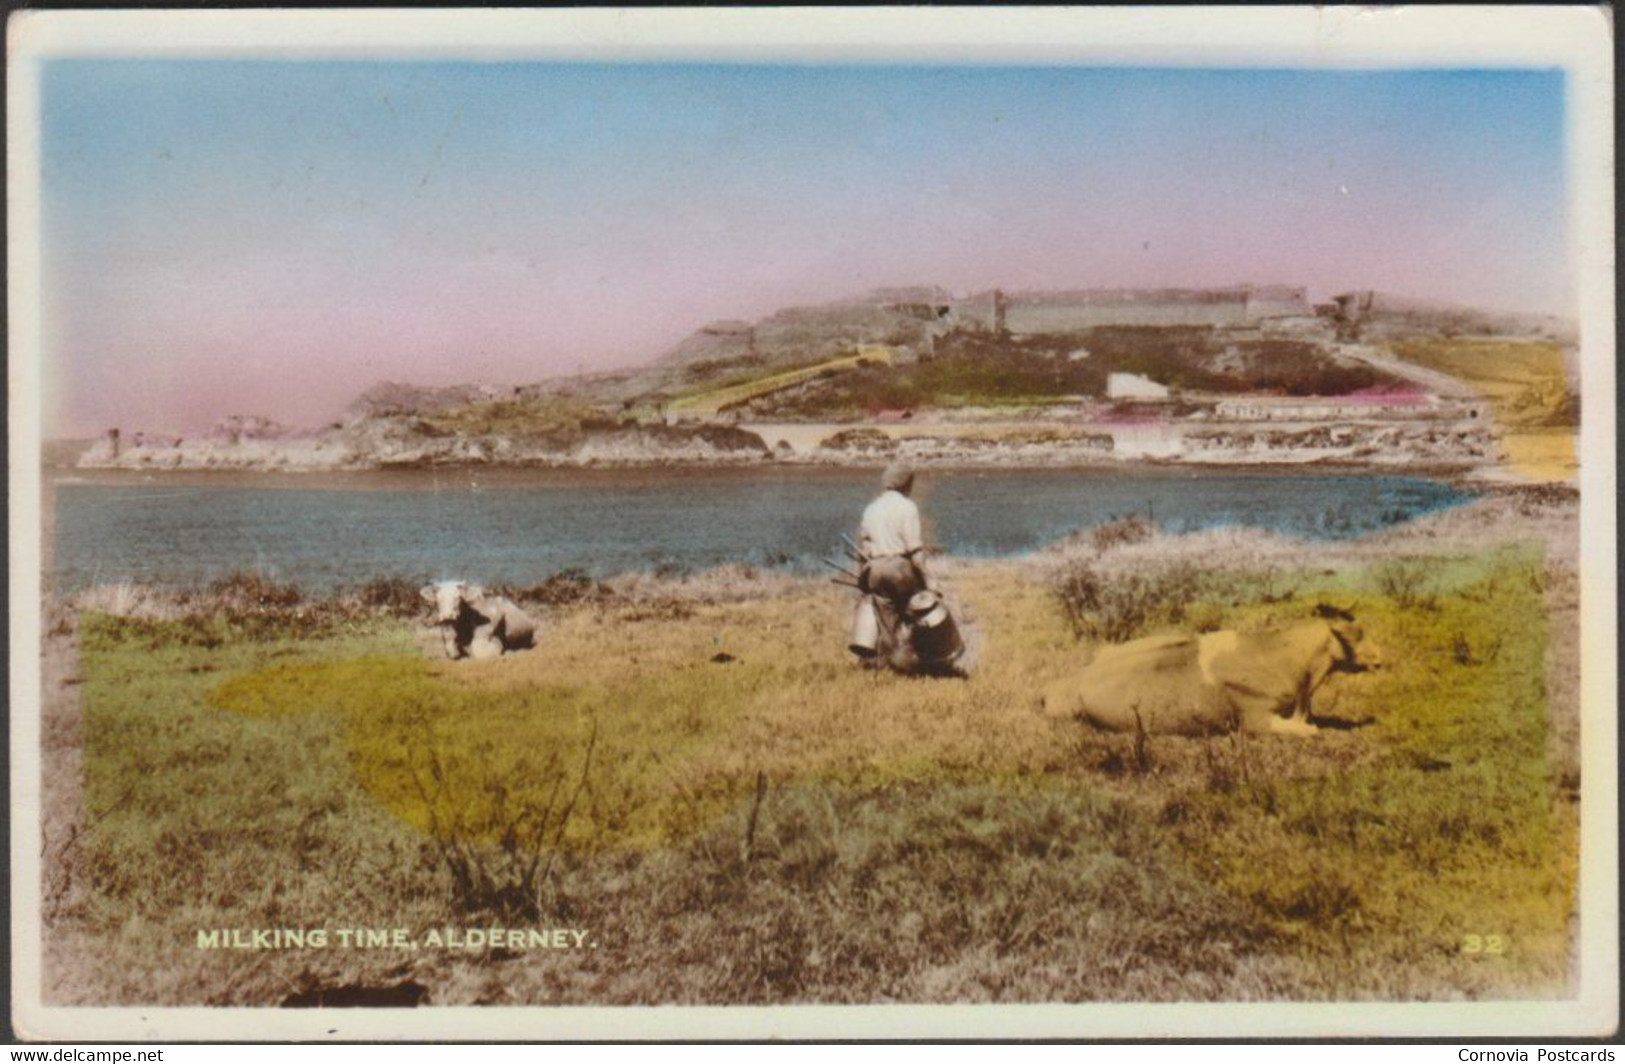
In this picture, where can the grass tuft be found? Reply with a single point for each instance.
(1117, 607)
(1409, 582)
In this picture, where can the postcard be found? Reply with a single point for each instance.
(987, 523)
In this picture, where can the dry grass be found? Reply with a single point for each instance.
(1542, 454)
(1560, 586)
(759, 821)
(1527, 382)
(714, 400)
(130, 600)
(547, 417)
(1533, 514)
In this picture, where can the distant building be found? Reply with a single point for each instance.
(1358, 406)
(1028, 312)
(1134, 386)
(1039, 311)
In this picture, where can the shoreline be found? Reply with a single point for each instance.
(498, 474)
(1476, 515)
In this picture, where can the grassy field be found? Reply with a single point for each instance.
(696, 775)
(549, 417)
(1527, 383)
(974, 369)
(714, 400)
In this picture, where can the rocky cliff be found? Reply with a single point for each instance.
(409, 442)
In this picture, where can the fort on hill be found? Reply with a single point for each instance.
(1031, 312)
(913, 317)
(1244, 373)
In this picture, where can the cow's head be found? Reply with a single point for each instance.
(1354, 652)
(448, 598)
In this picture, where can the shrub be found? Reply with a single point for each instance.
(1408, 583)
(1122, 532)
(1118, 607)
(240, 606)
(252, 591)
(393, 595)
(564, 588)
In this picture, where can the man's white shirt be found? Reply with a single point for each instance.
(890, 526)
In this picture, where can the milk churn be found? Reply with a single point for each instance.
(936, 636)
(865, 628)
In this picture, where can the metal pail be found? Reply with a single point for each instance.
(936, 636)
(865, 628)
(927, 609)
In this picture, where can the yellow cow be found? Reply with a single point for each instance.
(1196, 684)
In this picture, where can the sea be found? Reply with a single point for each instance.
(518, 527)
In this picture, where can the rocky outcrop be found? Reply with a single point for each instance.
(412, 443)
(798, 335)
(860, 441)
(868, 445)
(143, 451)
(415, 443)
(240, 427)
(1432, 443)
(390, 398)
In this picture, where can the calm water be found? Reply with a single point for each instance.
(523, 527)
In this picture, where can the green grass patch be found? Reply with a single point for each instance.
(546, 418)
(751, 386)
(448, 755)
(743, 816)
(970, 368)
(1453, 829)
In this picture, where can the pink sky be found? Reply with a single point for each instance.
(272, 238)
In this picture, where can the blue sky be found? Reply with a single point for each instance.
(226, 223)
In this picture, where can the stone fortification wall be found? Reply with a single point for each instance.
(1277, 301)
(1067, 311)
(1026, 318)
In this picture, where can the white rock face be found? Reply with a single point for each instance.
(408, 442)
(1133, 386)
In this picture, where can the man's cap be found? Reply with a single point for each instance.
(897, 477)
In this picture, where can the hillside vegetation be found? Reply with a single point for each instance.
(737, 392)
(981, 369)
(1526, 380)
(550, 418)
(1528, 384)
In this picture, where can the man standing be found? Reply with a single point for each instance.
(894, 554)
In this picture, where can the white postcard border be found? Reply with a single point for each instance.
(1575, 39)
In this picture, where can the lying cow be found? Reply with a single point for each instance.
(476, 624)
(1192, 684)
